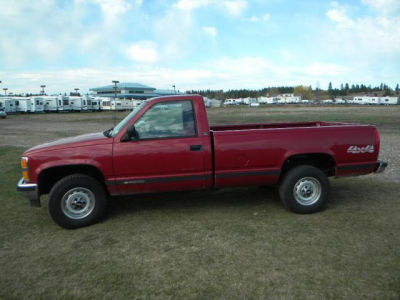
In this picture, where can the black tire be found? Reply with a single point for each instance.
(304, 189)
(73, 192)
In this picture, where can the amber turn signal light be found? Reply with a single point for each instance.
(25, 174)
(24, 162)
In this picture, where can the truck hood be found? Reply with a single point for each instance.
(70, 142)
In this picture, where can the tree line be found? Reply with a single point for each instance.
(307, 92)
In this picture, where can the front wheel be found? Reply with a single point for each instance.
(77, 200)
(304, 189)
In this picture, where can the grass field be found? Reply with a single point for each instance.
(231, 243)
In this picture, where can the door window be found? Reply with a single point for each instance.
(167, 120)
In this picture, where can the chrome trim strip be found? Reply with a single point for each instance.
(158, 180)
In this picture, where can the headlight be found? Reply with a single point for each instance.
(24, 165)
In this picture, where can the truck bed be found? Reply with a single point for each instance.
(254, 153)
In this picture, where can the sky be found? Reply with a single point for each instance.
(197, 44)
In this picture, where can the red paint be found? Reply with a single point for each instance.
(245, 154)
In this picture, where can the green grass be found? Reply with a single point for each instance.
(234, 243)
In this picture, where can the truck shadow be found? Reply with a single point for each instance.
(229, 197)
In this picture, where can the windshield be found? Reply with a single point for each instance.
(125, 121)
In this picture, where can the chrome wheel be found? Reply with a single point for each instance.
(307, 191)
(78, 203)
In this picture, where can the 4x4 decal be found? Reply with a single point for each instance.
(357, 150)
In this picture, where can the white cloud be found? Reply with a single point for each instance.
(143, 52)
(266, 17)
(233, 7)
(363, 39)
(112, 10)
(223, 73)
(210, 30)
(254, 19)
(387, 7)
(339, 15)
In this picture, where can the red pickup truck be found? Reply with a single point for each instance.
(166, 144)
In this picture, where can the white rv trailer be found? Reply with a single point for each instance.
(105, 103)
(327, 101)
(51, 103)
(63, 103)
(37, 104)
(95, 103)
(8, 104)
(340, 101)
(77, 103)
(229, 102)
(288, 98)
(92, 103)
(268, 100)
(374, 100)
(389, 100)
(23, 104)
(121, 104)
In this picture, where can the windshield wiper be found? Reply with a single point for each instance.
(107, 133)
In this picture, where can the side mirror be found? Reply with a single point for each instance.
(130, 134)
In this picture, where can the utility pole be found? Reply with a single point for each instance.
(115, 102)
(115, 88)
(174, 89)
(76, 91)
(42, 86)
(5, 91)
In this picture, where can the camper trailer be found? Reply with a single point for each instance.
(51, 103)
(63, 103)
(105, 104)
(37, 104)
(92, 103)
(389, 100)
(22, 104)
(95, 103)
(268, 100)
(8, 105)
(76, 103)
(121, 104)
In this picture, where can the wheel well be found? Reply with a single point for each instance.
(49, 177)
(322, 161)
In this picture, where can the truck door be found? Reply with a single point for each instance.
(166, 153)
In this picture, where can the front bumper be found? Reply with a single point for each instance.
(380, 166)
(29, 191)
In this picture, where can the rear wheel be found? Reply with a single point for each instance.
(304, 189)
(77, 200)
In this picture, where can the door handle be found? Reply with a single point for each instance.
(195, 147)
